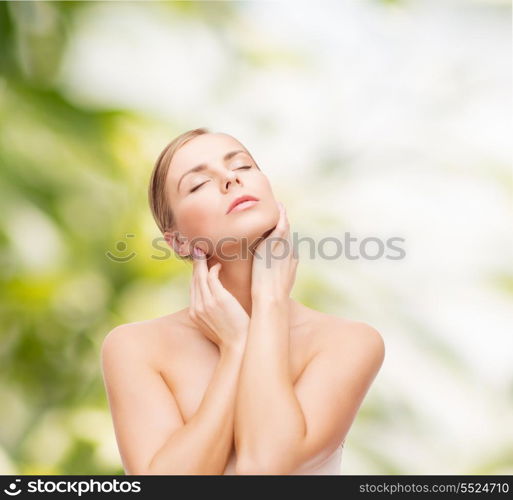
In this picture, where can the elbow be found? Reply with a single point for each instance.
(267, 461)
(138, 470)
(250, 469)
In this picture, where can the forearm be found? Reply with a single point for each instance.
(269, 422)
(203, 445)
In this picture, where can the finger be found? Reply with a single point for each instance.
(295, 253)
(201, 277)
(196, 265)
(216, 287)
(193, 293)
(192, 296)
(277, 233)
(294, 260)
(283, 227)
(282, 231)
(282, 219)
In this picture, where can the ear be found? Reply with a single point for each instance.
(177, 242)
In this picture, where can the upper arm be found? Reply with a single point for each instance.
(332, 388)
(144, 410)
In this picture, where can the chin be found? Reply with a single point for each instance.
(249, 226)
(252, 223)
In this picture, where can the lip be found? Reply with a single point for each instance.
(240, 199)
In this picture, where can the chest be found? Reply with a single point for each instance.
(187, 366)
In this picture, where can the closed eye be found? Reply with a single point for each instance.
(199, 185)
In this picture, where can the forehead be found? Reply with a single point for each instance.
(206, 148)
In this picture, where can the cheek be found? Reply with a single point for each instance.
(268, 196)
(266, 188)
(194, 219)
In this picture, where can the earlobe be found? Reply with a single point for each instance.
(177, 242)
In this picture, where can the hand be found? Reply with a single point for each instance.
(216, 312)
(274, 263)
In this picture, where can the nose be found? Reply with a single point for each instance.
(230, 178)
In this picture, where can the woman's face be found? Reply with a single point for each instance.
(200, 198)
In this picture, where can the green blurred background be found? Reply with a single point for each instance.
(387, 119)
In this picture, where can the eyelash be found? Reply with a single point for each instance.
(199, 185)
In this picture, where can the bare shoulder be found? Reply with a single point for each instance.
(143, 406)
(357, 341)
(143, 339)
(347, 330)
(351, 338)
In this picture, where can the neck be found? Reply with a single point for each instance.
(235, 276)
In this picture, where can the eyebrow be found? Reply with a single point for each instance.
(203, 166)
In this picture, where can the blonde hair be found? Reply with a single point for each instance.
(159, 204)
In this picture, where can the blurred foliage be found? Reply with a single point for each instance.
(64, 196)
(70, 187)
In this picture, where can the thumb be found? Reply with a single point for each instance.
(214, 270)
(214, 281)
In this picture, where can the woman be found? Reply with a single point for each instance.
(245, 380)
